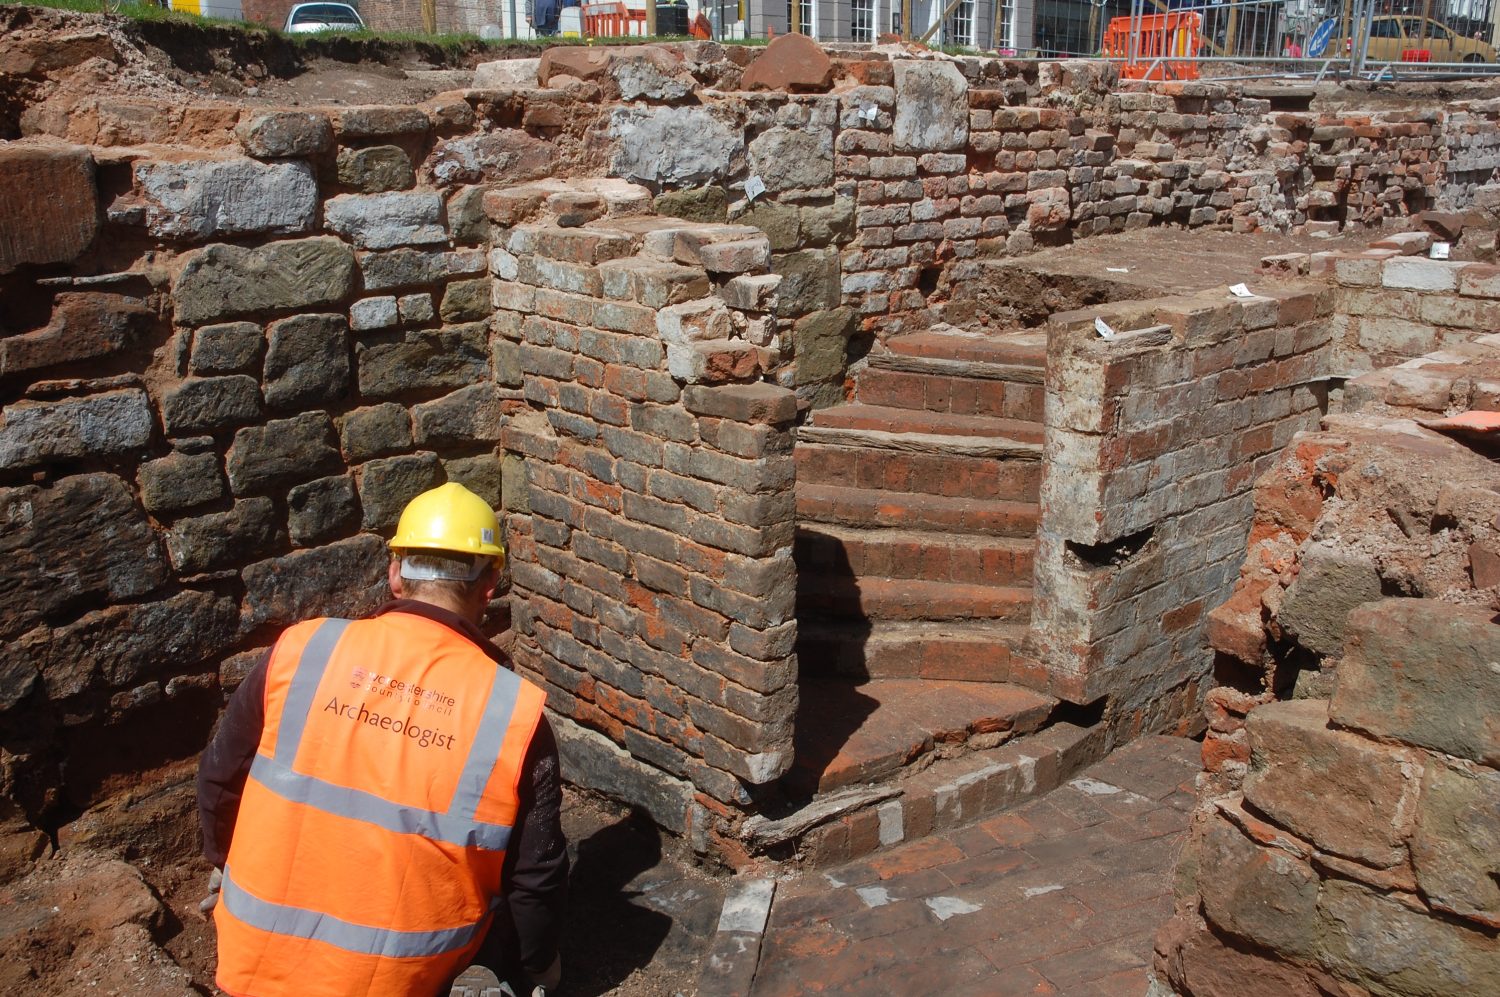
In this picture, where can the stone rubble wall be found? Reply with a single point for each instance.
(1154, 439)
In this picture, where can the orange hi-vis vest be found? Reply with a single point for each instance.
(367, 852)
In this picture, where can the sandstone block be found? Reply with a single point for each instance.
(1456, 847)
(82, 537)
(713, 361)
(208, 199)
(1264, 895)
(415, 309)
(307, 361)
(380, 121)
(480, 475)
(932, 107)
(809, 281)
(652, 75)
(1418, 274)
(1422, 672)
(345, 578)
(793, 158)
(36, 432)
(466, 217)
(468, 415)
(696, 204)
(282, 452)
(384, 221)
(466, 301)
(204, 404)
(397, 268)
(49, 209)
(674, 146)
(376, 169)
(792, 63)
(180, 481)
(749, 403)
(322, 510)
(737, 256)
(229, 281)
(507, 73)
(284, 134)
(694, 321)
(232, 348)
(224, 539)
(375, 431)
(751, 293)
(1330, 582)
(821, 342)
(82, 326)
(1344, 793)
(505, 155)
(369, 314)
(428, 360)
(387, 484)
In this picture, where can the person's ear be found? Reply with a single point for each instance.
(490, 581)
(394, 580)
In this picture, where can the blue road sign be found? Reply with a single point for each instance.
(1318, 43)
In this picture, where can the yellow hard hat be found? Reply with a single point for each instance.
(451, 518)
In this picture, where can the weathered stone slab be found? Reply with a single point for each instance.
(1262, 894)
(282, 452)
(322, 510)
(506, 73)
(229, 281)
(932, 107)
(674, 146)
(468, 415)
(381, 121)
(307, 362)
(1330, 582)
(81, 537)
(409, 267)
(387, 484)
(793, 158)
(224, 539)
(283, 134)
(180, 481)
(375, 431)
(591, 759)
(385, 221)
(1423, 672)
(203, 404)
(210, 199)
(49, 209)
(1345, 793)
(231, 348)
(376, 169)
(792, 63)
(1456, 847)
(427, 360)
(112, 422)
(83, 326)
(506, 155)
(345, 578)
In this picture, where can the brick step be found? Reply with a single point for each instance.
(944, 391)
(857, 819)
(860, 507)
(836, 551)
(960, 651)
(948, 474)
(851, 733)
(884, 418)
(909, 599)
(1021, 348)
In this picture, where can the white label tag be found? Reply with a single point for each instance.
(1103, 329)
(486, 535)
(1241, 291)
(754, 187)
(869, 112)
(1118, 269)
(1439, 251)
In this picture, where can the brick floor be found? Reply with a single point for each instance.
(1060, 896)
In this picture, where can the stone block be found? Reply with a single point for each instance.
(231, 348)
(307, 361)
(416, 309)
(180, 481)
(1418, 274)
(229, 281)
(109, 423)
(749, 403)
(211, 199)
(809, 281)
(80, 538)
(427, 360)
(674, 146)
(282, 452)
(468, 415)
(369, 314)
(503, 74)
(781, 223)
(380, 121)
(821, 342)
(388, 483)
(1422, 672)
(793, 158)
(694, 321)
(713, 361)
(205, 404)
(833, 223)
(932, 107)
(376, 169)
(751, 293)
(385, 221)
(345, 578)
(502, 156)
(1264, 895)
(792, 63)
(466, 217)
(1379, 942)
(375, 431)
(322, 510)
(1330, 582)
(696, 204)
(82, 326)
(49, 208)
(1456, 847)
(1342, 792)
(737, 256)
(466, 300)
(480, 475)
(590, 759)
(285, 134)
(397, 268)
(225, 539)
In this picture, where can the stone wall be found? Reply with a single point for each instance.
(1154, 439)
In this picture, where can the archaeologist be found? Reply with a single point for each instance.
(379, 788)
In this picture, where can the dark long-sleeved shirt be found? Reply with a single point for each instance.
(536, 861)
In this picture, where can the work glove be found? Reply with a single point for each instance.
(215, 883)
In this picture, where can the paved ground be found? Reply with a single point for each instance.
(1061, 896)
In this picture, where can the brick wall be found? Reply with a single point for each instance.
(1154, 439)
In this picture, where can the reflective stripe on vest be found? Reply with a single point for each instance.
(298, 922)
(457, 826)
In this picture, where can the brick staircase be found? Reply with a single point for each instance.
(917, 513)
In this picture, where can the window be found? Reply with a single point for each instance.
(1004, 36)
(862, 21)
(959, 28)
(805, 25)
(1385, 27)
(895, 17)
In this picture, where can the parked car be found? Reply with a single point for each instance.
(1393, 35)
(309, 17)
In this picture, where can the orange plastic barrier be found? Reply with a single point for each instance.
(612, 20)
(1416, 55)
(1167, 42)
